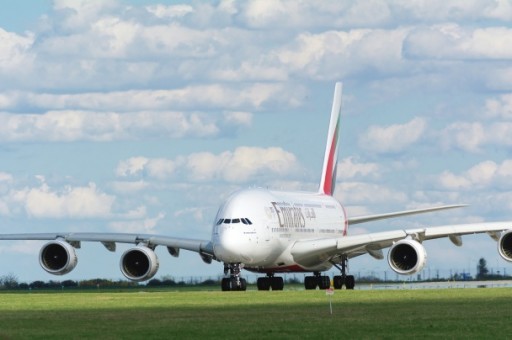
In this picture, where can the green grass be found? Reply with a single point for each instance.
(448, 313)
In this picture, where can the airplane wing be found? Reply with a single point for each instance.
(109, 240)
(312, 252)
(369, 218)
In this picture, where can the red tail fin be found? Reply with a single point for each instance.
(328, 181)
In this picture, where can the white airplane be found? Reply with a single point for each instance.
(273, 232)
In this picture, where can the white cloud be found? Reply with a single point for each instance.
(241, 165)
(15, 53)
(5, 177)
(146, 225)
(486, 174)
(475, 136)
(500, 107)
(65, 126)
(228, 96)
(71, 202)
(463, 135)
(451, 41)
(357, 193)
(393, 138)
(173, 11)
(337, 54)
(350, 167)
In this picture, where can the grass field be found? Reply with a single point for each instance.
(447, 313)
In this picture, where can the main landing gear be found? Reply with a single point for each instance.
(343, 279)
(270, 281)
(234, 282)
(324, 282)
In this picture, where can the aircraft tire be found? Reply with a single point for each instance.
(338, 282)
(277, 283)
(243, 285)
(226, 284)
(324, 282)
(310, 282)
(351, 282)
(263, 283)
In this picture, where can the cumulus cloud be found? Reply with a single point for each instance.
(65, 126)
(70, 202)
(146, 225)
(499, 107)
(482, 175)
(476, 136)
(451, 41)
(350, 167)
(336, 54)
(241, 165)
(226, 96)
(393, 138)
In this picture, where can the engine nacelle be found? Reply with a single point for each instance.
(407, 257)
(139, 263)
(505, 245)
(58, 257)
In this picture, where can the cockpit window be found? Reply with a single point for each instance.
(244, 220)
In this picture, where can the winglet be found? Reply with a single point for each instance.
(328, 181)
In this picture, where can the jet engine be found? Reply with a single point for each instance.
(139, 263)
(58, 257)
(505, 245)
(407, 257)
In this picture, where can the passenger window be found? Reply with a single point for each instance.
(227, 220)
(235, 220)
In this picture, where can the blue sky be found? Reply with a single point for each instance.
(141, 116)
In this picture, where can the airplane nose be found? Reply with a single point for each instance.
(231, 246)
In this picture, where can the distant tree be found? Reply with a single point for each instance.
(9, 281)
(69, 283)
(38, 284)
(481, 269)
(154, 283)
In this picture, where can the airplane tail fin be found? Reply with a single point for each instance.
(328, 181)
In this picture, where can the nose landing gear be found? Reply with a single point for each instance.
(234, 282)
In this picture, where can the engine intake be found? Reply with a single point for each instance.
(505, 245)
(139, 263)
(58, 257)
(407, 257)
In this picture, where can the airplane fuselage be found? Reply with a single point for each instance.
(258, 227)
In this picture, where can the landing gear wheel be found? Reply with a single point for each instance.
(310, 282)
(243, 285)
(263, 283)
(226, 284)
(338, 282)
(234, 282)
(324, 282)
(277, 283)
(350, 282)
